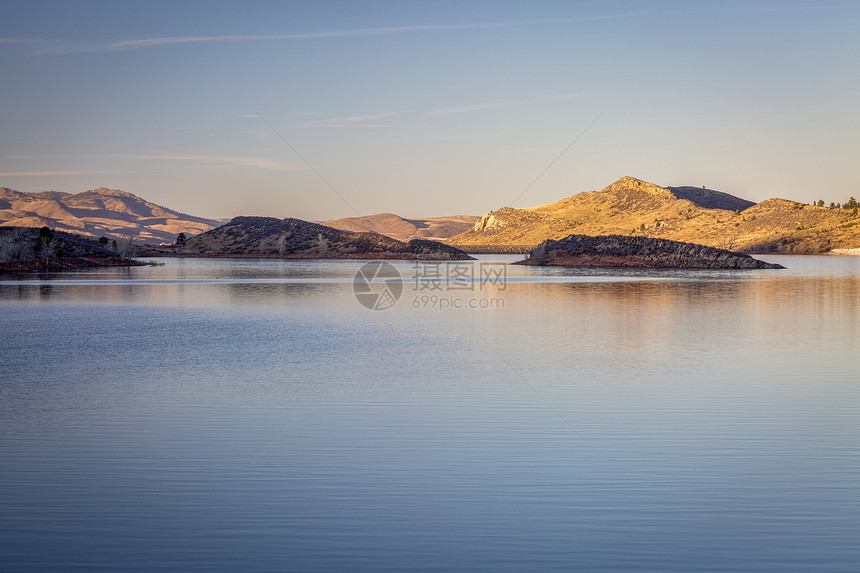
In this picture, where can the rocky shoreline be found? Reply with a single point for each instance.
(622, 251)
(30, 250)
(65, 264)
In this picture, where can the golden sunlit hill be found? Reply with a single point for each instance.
(689, 214)
(101, 212)
(402, 229)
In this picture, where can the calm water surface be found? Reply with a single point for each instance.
(244, 414)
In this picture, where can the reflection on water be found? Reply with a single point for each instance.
(263, 419)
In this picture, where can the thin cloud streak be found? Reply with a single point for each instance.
(228, 160)
(352, 121)
(254, 162)
(78, 47)
(503, 104)
(48, 173)
(767, 9)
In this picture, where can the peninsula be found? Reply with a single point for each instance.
(298, 239)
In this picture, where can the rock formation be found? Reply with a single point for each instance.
(637, 252)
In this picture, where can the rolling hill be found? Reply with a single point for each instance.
(397, 227)
(294, 238)
(688, 214)
(100, 212)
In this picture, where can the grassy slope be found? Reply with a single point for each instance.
(633, 207)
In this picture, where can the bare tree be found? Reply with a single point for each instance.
(322, 245)
(125, 247)
(6, 247)
(15, 244)
(49, 248)
(48, 245)
(727, 243)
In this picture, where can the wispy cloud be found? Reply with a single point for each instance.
(372, 120)
(352, 121)
(223, 160)
(254, 162)
(503, 104)
(750, 9)
(50, 172)
(18, 41)
(118, 45)
(58, 47)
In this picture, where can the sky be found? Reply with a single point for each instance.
(321, 110)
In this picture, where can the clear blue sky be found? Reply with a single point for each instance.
(427, 108)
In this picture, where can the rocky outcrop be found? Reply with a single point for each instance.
(710, 199)
(295, 238)
(623, 251)
(490, 221)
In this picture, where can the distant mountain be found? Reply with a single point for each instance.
(100, 212)
(689, 214)
(397, 227)
(294, 238)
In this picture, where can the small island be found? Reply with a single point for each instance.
(622, 251)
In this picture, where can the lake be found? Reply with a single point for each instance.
(255, 415)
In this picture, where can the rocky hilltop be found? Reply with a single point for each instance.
(710, 199)
(100, 212)
(634, 207)
(637, 252)
(294, 238)
(402, 229)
